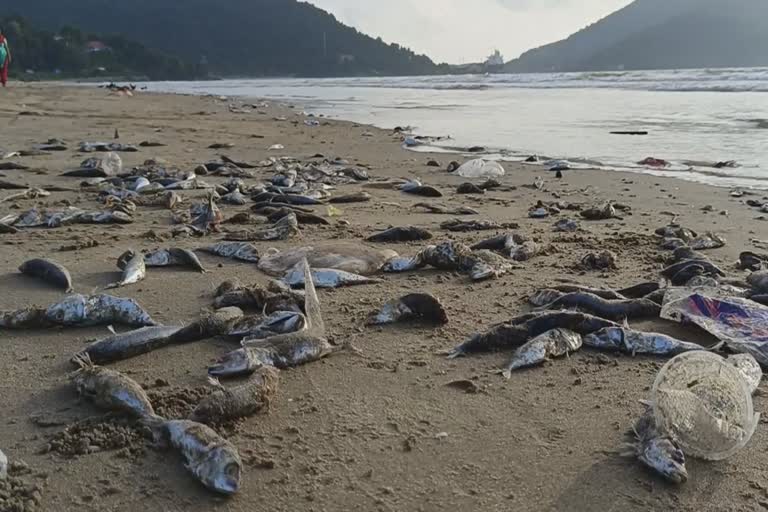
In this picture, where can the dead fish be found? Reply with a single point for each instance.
(759, 281)
(283, 229)
(301, 217)
(707, 241)
(49, 271)
(285, 350)
(126, 345)
(239, 401)
(209, 218)
(672, 244)
(469, 188)
(173, 257)
(458, 225)
(416, 188)
(752, 261)
(291, 199)
(543, 297)
(604, 212)
(609, 309)
(480, 265)
(88, 310)
(677, 231)
(685, 275)
(110, 390)
(685, 253)
(633, 342)
(605, 294)
(639, 291)
(401, 234)
(6, 229)
(242, 251)
(358, 197)
(258, 328)
(513, 246)
(549, 345)
(235, 197)
(749, 368)
(604, 260)
(566, 226)
(444, 210)
(114, 217)
(29, 318)
(326, 278)
(517, 331)
(709, 268)
(134, 269)
(31, 193)
(212, 459)
(657, 451)
(420, 307)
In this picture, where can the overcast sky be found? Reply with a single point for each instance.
(458, 31)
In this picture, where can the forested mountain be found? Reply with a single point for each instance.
(234, 37)
(70, 52)
(661, 34)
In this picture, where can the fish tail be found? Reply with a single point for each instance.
(214, 382)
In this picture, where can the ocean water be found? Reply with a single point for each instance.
(695, 118)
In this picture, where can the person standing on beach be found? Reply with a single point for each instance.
(5, 58)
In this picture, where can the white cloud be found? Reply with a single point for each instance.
(467, 31)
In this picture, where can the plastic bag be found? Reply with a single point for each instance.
(480, 168)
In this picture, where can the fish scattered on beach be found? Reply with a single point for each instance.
(326, 278)
(549, 345)
(420, 307)
(173, 257)
(445, 210)
(49, 271)
(242, 251)
(238, 401)
(252, 328)
(358, 197)
(657, 451)
(129, 344)
(513, 246)
(480, 265)
(759, 281)
(709, 268)
(401, 234)
(110, 390)
(283, 229)
(133, 267)
(632, 342)
(87, 310)
(608, 309)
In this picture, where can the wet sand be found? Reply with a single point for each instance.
(377, 431)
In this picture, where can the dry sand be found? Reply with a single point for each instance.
(381, 431)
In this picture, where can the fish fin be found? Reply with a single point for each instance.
(312, 303)
(111, 329)
(214, 382)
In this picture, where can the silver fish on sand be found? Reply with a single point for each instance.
(242, 251)
(283, 229)
(134, 269)
(238, 401)
(88, 310)
(480, 264)
(260, 327)
(173, 257)
(633, 342)
(285, 350)
(110, 390)
(213, 460)
(415, 306)
(551, 344)
(49, 271)
(657, 451)
(326, 278)
(128, 344)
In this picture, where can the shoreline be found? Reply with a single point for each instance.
(386, 430)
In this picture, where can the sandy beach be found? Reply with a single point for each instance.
(381, 430)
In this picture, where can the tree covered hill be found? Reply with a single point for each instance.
(235, 37)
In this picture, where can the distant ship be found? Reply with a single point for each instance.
(495, 62)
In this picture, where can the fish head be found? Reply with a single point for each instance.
(608, 338)
(663, 456)
(237, 362)
(221, 470)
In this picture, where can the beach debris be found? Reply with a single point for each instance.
(605, 212)
(416, 188)
(401, 234)
(242, 251)
(357, 197)
(214, 461)
(514, 246)
(480, 265)
(480, 168)
(458, 225)
(126, 345)
(609, 309)
(656, 450)
(705, 404)
(326, 278)
(740, 323)
(356, 258)
(134, 269)
(517, 331)
(283, 229)
(104, 166)
(628, 341)
(445, 210)
(549, 345)
(418, 307)
(566, 226)
(605, 260)
(241, 401)
(48, 271)
(173, 257)
(283, 350)
(110, 390)
(469, 188)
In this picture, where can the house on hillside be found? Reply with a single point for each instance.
(495, 62)
(96, 47)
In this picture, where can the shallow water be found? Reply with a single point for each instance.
(694, 117)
